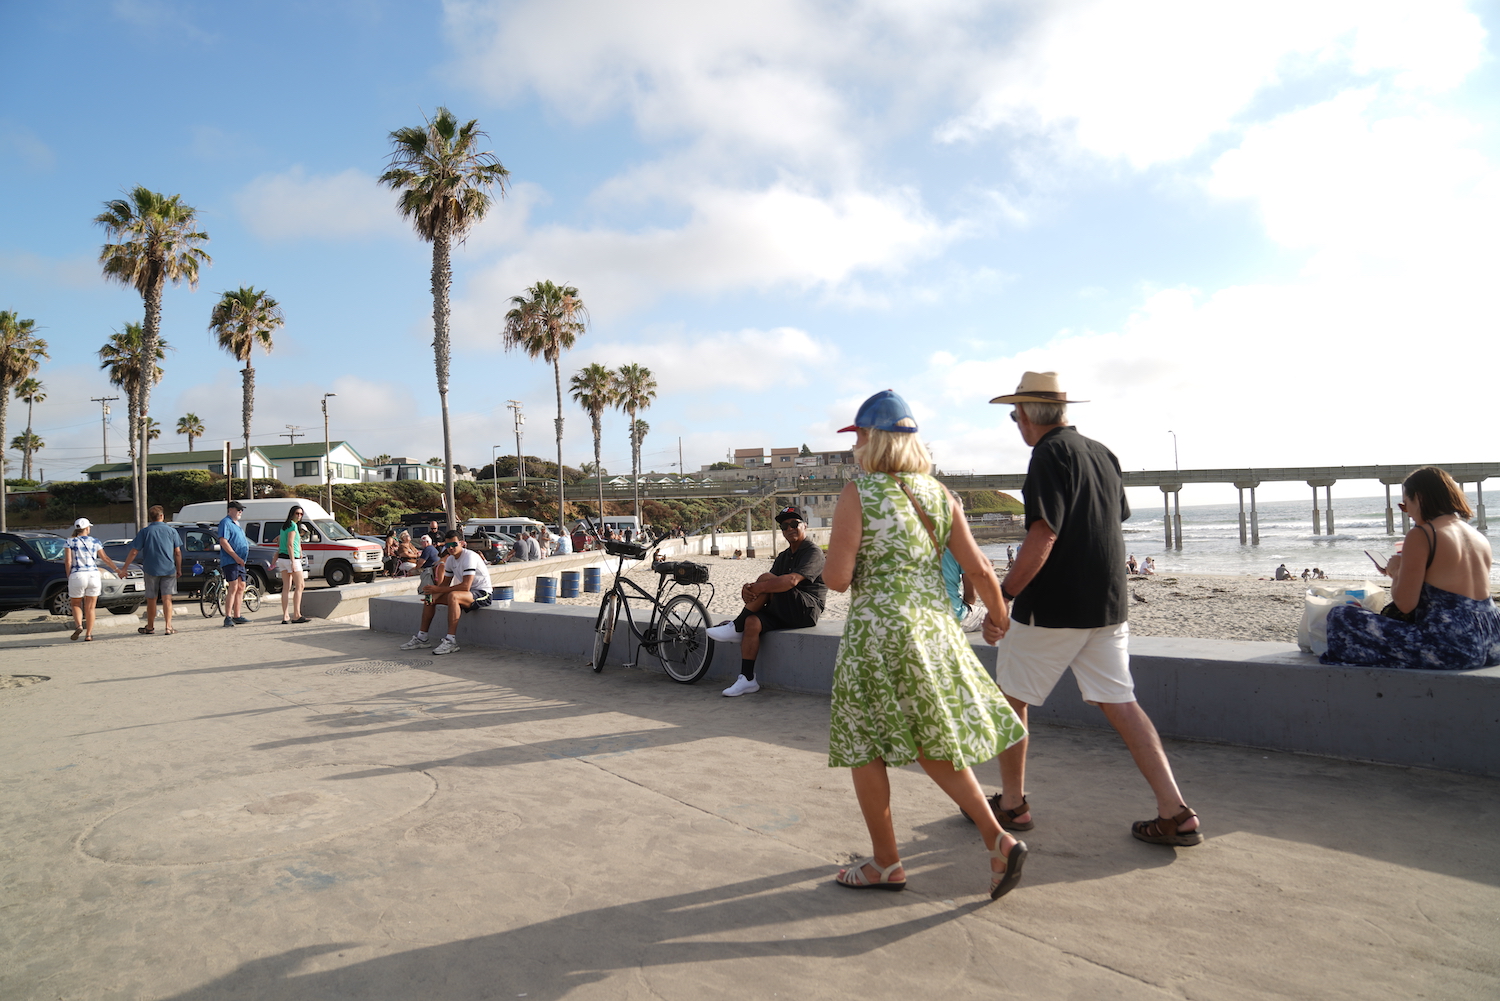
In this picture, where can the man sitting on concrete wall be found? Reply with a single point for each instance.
(791, 596)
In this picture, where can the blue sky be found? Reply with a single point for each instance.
(1268, 227)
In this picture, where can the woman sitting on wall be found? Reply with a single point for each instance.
(1442, 617)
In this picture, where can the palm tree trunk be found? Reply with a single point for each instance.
(598, 462)
(635, 467)
(557, 380)
(26, 462)
(150, 335)
(247, 408)
(442, 281)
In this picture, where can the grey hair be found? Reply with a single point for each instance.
(406, 536)
(1045, 413)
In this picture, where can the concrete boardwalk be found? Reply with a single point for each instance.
(300, 812)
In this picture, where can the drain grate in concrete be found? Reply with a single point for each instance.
(21, 680)
(378, 667)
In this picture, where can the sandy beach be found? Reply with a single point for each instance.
(1206, 606)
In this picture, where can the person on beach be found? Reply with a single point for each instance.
(1070, 605)
(160, 550)
(408, 556)
(289, 566)
(1442, 617)
(1130, 564)
(460, 582)
(791, 595)
(1282, 573)
(907, 686)
(81, 561)
(234, 550)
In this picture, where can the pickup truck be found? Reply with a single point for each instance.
(200, 545)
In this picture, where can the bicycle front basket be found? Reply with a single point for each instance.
(690, 573)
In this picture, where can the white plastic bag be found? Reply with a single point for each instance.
(1312, 632)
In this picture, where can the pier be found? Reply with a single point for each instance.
(1171, 482)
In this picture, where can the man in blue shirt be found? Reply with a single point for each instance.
(161, 563)
(234, 551)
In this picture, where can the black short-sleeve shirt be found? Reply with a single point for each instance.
(1074, 485)
(807, 560)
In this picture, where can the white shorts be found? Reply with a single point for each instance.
(1033, 658)
(84, 584)
(289, 566)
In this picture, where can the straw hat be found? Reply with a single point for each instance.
(1037, 387)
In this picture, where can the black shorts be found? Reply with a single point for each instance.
(786, 610)
(233, 571)
(482, 599)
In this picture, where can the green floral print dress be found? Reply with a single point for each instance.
(906, 678)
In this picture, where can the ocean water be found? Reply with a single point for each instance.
(1211, 538)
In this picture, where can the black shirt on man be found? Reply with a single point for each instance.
(1074, 485)
(807, 560)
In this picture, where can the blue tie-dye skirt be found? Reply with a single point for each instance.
(1455, 633)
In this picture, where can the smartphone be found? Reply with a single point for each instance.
(1375, 560)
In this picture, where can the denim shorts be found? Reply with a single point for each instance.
(233, 571)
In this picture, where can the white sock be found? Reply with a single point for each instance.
(422, 635)
(451, 638)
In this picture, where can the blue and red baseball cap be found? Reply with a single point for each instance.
(885, 411)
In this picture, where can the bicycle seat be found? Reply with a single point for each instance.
(629, 550)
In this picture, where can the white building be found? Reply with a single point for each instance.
(402, 468)
(303, 462)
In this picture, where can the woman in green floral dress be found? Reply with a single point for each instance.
(907, 686)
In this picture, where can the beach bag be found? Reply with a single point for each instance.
(1312, 632)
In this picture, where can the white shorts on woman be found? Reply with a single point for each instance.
(84, 584)
(289, 566)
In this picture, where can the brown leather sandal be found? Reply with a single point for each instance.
(1164, 830)
(1007, 818)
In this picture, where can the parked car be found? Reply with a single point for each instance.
(334, 553)
(200, 547)
(32, 575)
(493, 547)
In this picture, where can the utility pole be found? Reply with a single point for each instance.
(495, 479)
(104, 402)
(293, 432)
(681, 469)
(327, 468)
(515, 405)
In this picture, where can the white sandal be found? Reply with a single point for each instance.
(855, 879)
(1002, 883)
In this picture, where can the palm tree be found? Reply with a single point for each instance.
(29, 444)
(29, 390)
(545, 322)
(21, 352)
(444, 180)
(594, 389)
(153, 429)
(637, 388)
(192, 426)
(124, 357)
(157, 243)
(242, 319)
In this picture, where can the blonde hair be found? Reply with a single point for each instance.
(893, 452)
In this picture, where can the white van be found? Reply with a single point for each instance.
(334, 553)
(509, 527)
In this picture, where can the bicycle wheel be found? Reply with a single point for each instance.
(682, 643)
(252, 598)
(211, 600)
(604, 629)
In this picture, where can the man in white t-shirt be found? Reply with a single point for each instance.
(460, 582)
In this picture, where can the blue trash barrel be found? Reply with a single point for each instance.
(569, 584)
(504, 592)
(593, 579)
(546, 590)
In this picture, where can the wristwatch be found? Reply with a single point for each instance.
(1006, 594)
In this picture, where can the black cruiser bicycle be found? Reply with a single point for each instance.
(677, 632)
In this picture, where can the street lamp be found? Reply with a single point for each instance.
(1175, 467)
(495, 479)
(327, 469)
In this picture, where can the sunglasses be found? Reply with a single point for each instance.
(1015, 417)
(450, 545)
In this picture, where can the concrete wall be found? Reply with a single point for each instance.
(1256, 694)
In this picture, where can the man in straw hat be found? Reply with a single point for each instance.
(1068, 605)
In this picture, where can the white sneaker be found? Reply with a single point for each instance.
(416, 644)
(725, 633)
(447, 646)
(742, 686)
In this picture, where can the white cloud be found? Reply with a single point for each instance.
(294, 204)
(1151, 84)
(779, 237)
(710, 363)
(19, 143)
